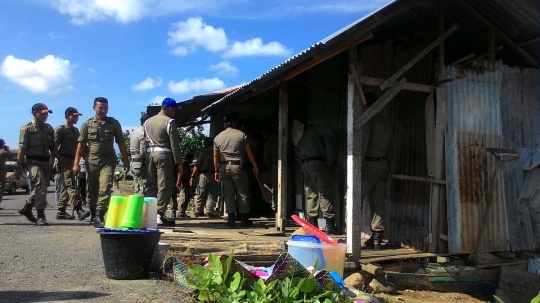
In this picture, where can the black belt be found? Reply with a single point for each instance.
(309, 159)
(207, 171)
(68, 156)
(374, 158)
(231, 162)
(38, 158)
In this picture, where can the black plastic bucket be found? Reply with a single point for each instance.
(128, 256)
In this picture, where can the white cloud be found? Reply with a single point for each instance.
(56, 37)
(224, 68)
(93, 71)
(189, 85)
(194, 33)
(180, 51)
(49, 74)
(256, 47)
(156, 100)
(83, 12)
(146, 84)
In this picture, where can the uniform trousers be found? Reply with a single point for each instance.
(160, 178)
(374, 175)
(100, 180)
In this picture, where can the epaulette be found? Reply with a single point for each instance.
(26, 125)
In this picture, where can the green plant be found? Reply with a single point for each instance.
(214, 285)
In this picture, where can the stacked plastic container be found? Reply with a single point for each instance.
(132, 213)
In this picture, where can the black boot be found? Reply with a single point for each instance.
(245, 221)
(99, 221)
(82, 214)
(330, 228)
(63, 215)
(165, 221)
(377, 239)
(41, 220)
(92, 215)
(230, 223)
(314, 221)
(369, 242)
(27, 212)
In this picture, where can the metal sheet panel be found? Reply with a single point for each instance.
(521, 128)
(474, 124)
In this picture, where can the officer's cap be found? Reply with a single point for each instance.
(169, 102)
(40, 108)
(71, 111)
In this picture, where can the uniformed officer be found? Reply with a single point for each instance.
(185, 188)
(317, 152)
(66, 136)
(137, 148)
(206, 185)
(5, 155)
(376, 137)
(99, 133)
(230, 149)
(271, 159)
(163, 152)
(36, 142)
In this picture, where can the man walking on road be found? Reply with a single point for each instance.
(137, 148)
(230, 149)
(163, 152)
(36, 142)
(317, 151)
(206, 185)
(5, 155)
(66, 136)
(99, 133)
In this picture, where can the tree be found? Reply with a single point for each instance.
(191, 140)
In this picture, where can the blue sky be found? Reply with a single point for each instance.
(136, 52)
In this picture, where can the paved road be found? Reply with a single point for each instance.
(62, 262)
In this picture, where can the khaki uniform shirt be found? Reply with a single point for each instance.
(271, 150)
(37, 140)
(231, 144)
(4, 156)
(318, 141)
(65, 137)
(137, 144)
(161, 131)
(376, 135)
(205, 160)
(100, 137)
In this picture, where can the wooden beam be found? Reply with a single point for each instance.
(440, 29)
(530, 41)
(439, 220)
(420, 179)
(418, 57)
(354, 166)
(357, 83)
(491, 45)
(379, 104)
(414, 87)
(481, 56)
(429, 111)
(283, 138)
(482, 20)
(469, 56)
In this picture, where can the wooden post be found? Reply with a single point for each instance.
(354, 166)
(281, 219)
(439, 190)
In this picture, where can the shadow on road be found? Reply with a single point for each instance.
(44, 296)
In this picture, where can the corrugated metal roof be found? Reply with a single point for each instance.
(517, 19)
(473, 177)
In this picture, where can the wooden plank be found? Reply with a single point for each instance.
(440, 49)
(396, 257)
(438, 211)
(505, 264)
(506, 254)
(373, 269)
(420, 179)
(509, 296)
(464, 58)
(418, 57)
(429, 111)
(413, 87)
(520, 278)
(357, 83)
(482, 20)
(283, 138)
(379, 104)
(530, 41)
(354, 167)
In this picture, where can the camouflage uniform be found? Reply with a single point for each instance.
(207, 185)
(100, 137)
(66, 137)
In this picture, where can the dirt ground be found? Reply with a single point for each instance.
(428, 296)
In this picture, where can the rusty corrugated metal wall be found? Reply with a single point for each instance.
(520, 119)
(474, 124)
